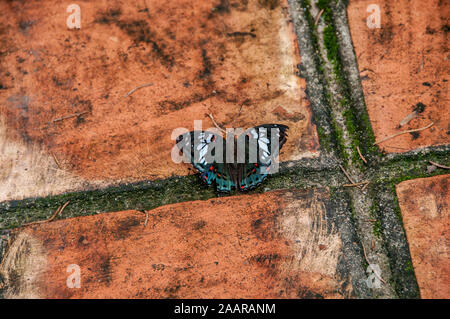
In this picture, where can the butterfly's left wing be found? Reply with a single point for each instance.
(265, 141)
(201, 148)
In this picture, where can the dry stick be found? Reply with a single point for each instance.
(44, 221)
(69, 116)
(439, 165)
(365, 183)
(215, 123)
(58, 212)
(364, 187)
(360, 155)
(318, 17)
(374, 271)
(346, 174)
(146, 219)
(137, 88)
(356, 184)
(404, 132)
(56, 160)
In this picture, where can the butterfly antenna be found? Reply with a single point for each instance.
(215, 123)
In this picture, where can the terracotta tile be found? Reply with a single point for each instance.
(403, 63)
(236, 60)
(273, 245)
(426, 216)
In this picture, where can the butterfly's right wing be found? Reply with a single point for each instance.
(267, 141)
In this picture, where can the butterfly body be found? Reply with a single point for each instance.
(258, 147)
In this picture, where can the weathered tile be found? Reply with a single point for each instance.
(236, 60)
(425, 211)
(273, 245)
(404, 67)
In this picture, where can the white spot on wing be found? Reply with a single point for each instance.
(263, 145)
(203, 152)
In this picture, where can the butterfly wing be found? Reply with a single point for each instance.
(255, 170)
(200, 147)
(224, 182)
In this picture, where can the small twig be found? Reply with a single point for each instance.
(57, 212)
(364, 187)
(215, 123)
(318, 17)
(137, 88)
(146, 219)
(360, 155)
(374, 271)
(371, 220)
(56, 160)
(356, 184)
(69, 116)
(60, 212)
(404, 132)
(439, 165)
(346, 174)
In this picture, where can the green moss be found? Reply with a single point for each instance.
(325, 140)
(410, 267)
(146, 195)
(377, 228)
(352, 209)
(357, 122)
(410, 166)
(331, 44)
(352, 129)
(307, 4)
(350, 122)
(330, 40)
(339, 133)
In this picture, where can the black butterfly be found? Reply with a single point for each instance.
(247, 165)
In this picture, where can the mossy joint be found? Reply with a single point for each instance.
(357, 123)
(358, 130)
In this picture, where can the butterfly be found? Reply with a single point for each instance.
(245, 166)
